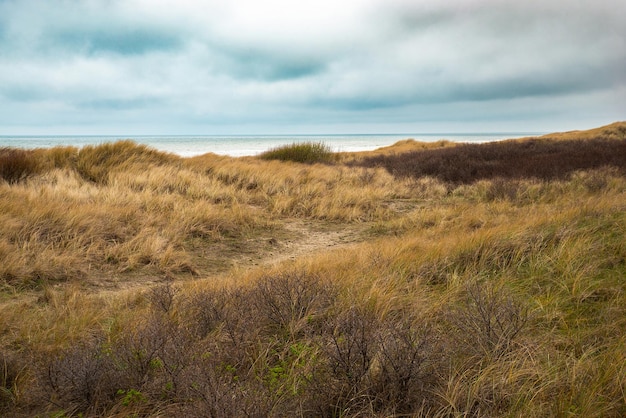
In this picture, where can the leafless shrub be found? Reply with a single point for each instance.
(162, 297)
(489, 320)
(137, 353)
(352, 343)
(291, 301)
(204, 311)
(240, 323)
(348, 345)
(154, 356)
(83, 379)
(226, 325)
(218, 389)
(404, 370)
(369, 365)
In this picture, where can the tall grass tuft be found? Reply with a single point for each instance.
(95, 162)
(305, 152)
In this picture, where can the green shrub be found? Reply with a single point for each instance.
(305, 152)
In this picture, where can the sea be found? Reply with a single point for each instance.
(249, 145)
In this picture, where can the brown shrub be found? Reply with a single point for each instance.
(535, 158)
(370, 365)
(488, 322)
(407, 365)
(290, 302)
(82, 379)
(17, 164)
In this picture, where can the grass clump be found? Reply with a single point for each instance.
(302, 152)
(96, 162)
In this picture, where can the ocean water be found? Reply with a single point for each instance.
(238, 146)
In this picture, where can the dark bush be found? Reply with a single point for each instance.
(292, 301)
(83, 379)
(162, 297)
(371, 365)
(286, 345)
(541, 159)
(205, 312)
(407, 365)
(137, 370)
(348, 345)
(217, 388)
(17, 164)
(488, 322)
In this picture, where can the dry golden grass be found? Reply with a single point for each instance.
(331, 192)
(495, 298)
(400, 147)
(615, 130)
(151, 210)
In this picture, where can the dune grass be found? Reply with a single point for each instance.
(124, 208)
(502, 296)
(301, 152)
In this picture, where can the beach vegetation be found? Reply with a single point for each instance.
(535, 158)
(301, 152)
(17, 164)
(218, 286)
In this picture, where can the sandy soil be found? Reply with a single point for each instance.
(296, 238)
(308, 238)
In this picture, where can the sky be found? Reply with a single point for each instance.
(98, 67)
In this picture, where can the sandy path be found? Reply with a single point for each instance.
(309, 238)
(297, 238)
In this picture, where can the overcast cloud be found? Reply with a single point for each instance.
(282, 66)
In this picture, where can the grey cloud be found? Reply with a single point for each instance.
(22, 93)
(271, 68)
(3, 34)
(401, 61)
(124, 41)
(119, 104)
(256, 63)
(495, 51)
(55, 29)
(517, 88)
